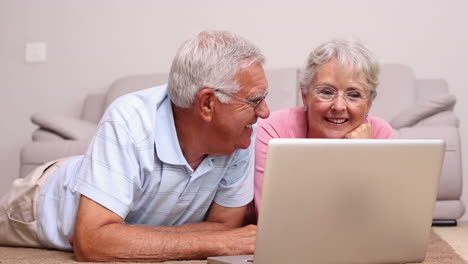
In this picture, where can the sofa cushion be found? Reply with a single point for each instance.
(34, 154)
(395, 92)
(282, 88)
(92, 109)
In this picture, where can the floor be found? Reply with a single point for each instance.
(457, 237)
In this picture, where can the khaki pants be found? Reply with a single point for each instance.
(18, 208)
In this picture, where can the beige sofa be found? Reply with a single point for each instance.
(415, 108)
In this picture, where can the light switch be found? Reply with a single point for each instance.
(35, 52)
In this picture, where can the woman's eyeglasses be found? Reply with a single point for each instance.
(329, 94)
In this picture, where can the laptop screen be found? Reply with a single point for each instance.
(342, 201)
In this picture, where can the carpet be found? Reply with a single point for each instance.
(438, 252)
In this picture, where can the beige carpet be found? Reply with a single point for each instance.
(456, 236)
(438, 251)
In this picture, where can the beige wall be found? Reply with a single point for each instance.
(90, 43)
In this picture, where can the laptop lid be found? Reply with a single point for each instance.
(347, 201)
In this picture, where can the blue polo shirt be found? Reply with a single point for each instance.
(134, 167)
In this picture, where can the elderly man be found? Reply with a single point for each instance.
(168, 174)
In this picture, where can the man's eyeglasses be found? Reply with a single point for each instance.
(254, 103)
(328, 94)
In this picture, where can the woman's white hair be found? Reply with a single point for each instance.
(350, 53)
(210, 60)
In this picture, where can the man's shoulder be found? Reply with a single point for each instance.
(135, 113)
(142, 102)
(153, 95)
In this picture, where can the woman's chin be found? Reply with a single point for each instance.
(334, 134)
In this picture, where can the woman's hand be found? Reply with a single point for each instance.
(363, 131)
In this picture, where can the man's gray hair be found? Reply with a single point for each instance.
(210, 60)
(350, 53)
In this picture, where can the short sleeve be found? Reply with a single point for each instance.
(110, 167)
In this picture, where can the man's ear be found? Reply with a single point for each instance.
(205, 103)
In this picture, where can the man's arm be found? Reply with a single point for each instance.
(102, 235)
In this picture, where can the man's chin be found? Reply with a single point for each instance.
(245, 143)
(244, 146)
(233, 149)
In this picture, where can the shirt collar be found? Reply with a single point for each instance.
(166, 140)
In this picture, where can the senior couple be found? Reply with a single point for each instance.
(170, 172)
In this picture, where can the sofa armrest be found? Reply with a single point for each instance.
(450, 187)
(66, 127)
(45, 135)
(422, 110)
(444, 118)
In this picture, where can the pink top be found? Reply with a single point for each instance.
(292, 123)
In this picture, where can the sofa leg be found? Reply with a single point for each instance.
(439, 222)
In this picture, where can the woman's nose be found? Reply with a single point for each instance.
(339, 103)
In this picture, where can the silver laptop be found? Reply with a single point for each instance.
(346, 201)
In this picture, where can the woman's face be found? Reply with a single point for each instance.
(341, 115)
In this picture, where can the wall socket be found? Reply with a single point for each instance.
(35, 52)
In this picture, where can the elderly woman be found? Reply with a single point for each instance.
(338, 85)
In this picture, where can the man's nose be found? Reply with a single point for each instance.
(262, 110)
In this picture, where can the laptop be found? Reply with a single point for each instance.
(346, 201)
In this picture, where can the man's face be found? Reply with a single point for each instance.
(234, 120)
